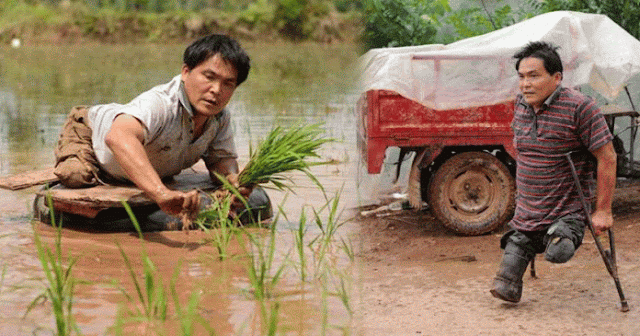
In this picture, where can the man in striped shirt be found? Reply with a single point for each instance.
(550, 121)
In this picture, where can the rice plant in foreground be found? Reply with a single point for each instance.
(61, 283)
(217, 224)
(188, 314)
(262, 273)
(150, 293)
(323, 243)
(153, 297)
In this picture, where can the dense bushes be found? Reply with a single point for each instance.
(157, 20)
(415, 22)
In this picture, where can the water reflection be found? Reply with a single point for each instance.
(289, 85)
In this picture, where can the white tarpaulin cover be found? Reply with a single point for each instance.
(481, 70)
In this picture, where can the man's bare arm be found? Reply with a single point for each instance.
(602, 217)
(125, 139)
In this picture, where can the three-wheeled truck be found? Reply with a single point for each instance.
(451, 107)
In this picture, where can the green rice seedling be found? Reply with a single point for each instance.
(334, 285)
(332, 224)
(300, 245)
(262, 273)
(60, 280)
(323, 243)
(223, 229)
(4, 273)
(280, 152)
(324, 308)
(342, 290)
(150, 293)
(270, 316)
(347, 247)
(187, 315)
(283, 151)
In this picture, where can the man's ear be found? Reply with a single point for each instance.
(557, 77)
(184, 71)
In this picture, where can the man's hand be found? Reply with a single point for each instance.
(244, 191)
(176, 202)
(602, 221)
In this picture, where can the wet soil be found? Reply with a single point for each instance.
(411, 276)
(420, 279)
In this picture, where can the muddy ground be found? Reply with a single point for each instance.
(420, 279)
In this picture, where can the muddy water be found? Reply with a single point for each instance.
(289, 85)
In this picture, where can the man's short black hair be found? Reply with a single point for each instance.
(544, 51)
(228, 48)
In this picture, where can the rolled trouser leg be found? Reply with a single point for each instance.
(507, 284)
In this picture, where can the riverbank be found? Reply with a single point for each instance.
(73, 22)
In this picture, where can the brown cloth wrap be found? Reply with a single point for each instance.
(76, 162)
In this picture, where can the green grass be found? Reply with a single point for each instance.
(262, 272)
(216, 223)
(61, 283)
(188, 314)
(150, 294)
(152, 306)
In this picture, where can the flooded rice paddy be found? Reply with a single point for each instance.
(296, 280)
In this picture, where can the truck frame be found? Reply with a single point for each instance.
(464, 165)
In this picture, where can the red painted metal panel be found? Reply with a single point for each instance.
(393, 120)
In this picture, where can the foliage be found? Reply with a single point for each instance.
(60, 279)
(474, 21)
(157, 19)
(344, 6)
(395, 23)
(623, 12)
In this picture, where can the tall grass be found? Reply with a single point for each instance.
(149, 293)
(153, 298)
(60, 280)
(323, 244)
(262, 272)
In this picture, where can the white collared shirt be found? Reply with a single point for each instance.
(168, 120)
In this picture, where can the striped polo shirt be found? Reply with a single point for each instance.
(568, 121)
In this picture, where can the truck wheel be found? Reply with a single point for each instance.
(472, 193)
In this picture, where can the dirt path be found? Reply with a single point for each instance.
(419, 279)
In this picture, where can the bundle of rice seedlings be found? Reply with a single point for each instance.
(283, 151)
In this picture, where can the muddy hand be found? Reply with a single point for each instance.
(175, 203)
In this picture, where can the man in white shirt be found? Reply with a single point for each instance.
(162, 131)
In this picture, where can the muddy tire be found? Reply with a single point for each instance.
(472, 193)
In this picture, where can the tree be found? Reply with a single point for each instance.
(623, 12)
(396, 23)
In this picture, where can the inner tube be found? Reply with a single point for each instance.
(149, 217)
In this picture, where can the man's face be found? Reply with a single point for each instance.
(210, 85)
(536, 84)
